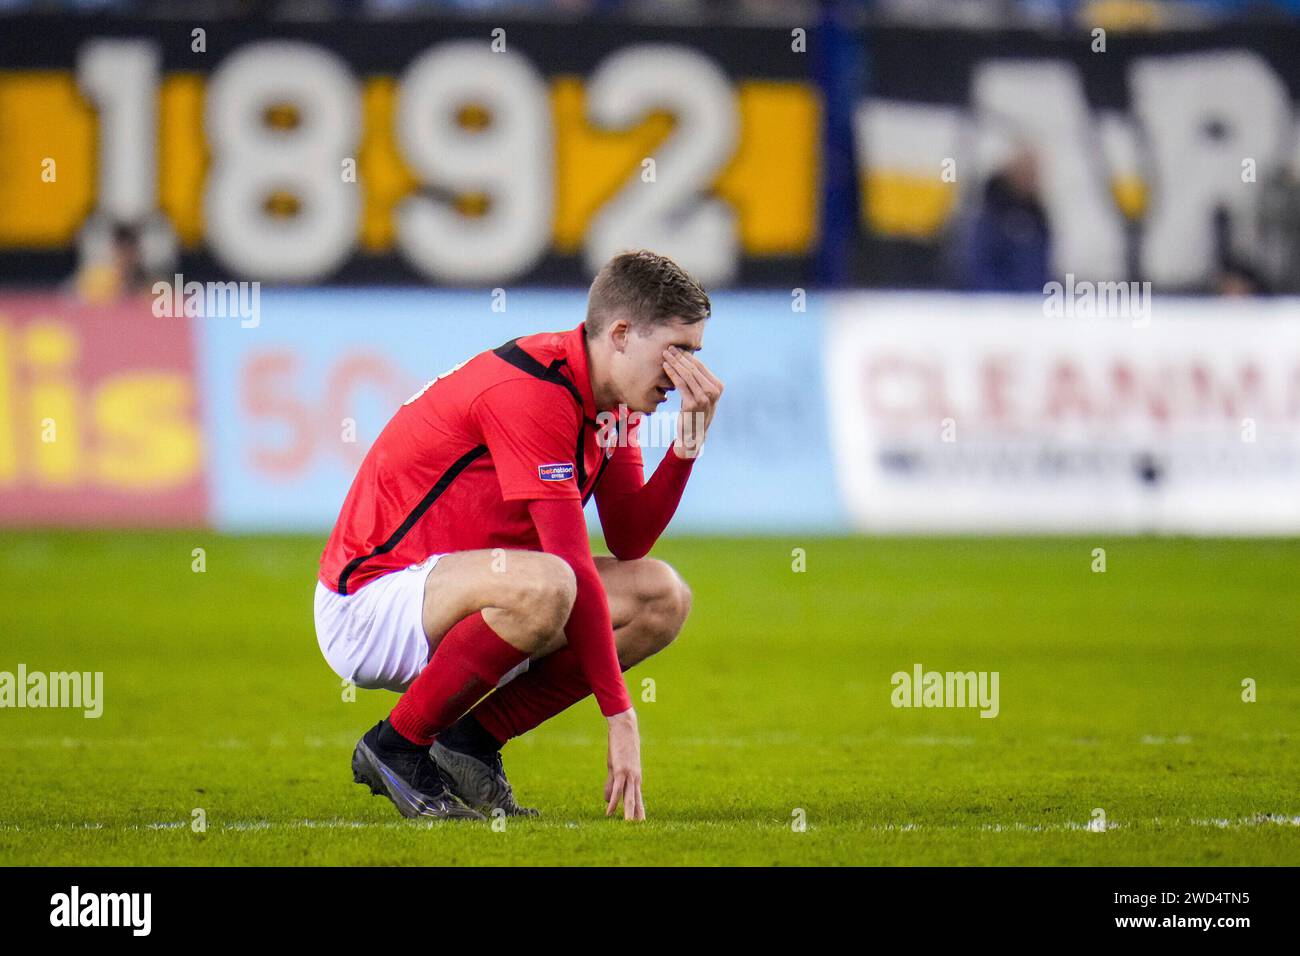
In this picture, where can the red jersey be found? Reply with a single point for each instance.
(456, 466)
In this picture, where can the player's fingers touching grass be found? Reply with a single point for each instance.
(640, 803)
(626, 788)
(624, 762)
(615, 788)
(609, 777)
(632, 809)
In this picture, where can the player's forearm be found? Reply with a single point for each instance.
(589, 631)
(632, 523)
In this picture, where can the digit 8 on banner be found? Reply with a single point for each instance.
(254, 160)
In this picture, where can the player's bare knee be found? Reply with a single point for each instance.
(685, 598)
(667, 601)
(550, 590)
(681, 606)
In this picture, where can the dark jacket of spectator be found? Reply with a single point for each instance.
(1008, 246)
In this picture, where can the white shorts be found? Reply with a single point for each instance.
(375, 636)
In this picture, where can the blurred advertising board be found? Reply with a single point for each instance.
(100, 419)
(295, 402)
(875, 412)
(989, 413)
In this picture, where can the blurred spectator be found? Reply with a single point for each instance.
(1279, 224)
(119, 274)
(1007, 245)
(1111, 14)
(417, 7)
(1235, 275)
(1238, 279)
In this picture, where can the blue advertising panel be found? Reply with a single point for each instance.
(292, 402)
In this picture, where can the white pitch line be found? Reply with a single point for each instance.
(224, 743)
(740, 741)
(1258, 819)
(1015, 826)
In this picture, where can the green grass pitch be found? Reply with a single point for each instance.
(1119, 691)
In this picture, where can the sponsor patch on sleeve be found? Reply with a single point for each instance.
(560, 471)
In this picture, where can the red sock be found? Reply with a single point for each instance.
(549, 686)
(468, 662)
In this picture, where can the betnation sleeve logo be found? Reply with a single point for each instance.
(557, 471)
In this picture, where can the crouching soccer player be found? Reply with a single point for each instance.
(460, 565)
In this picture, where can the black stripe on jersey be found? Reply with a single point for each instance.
(513, 353)
(592, 490)
(603, 465)
(448, 476)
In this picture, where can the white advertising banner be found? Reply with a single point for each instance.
(1065, 413)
